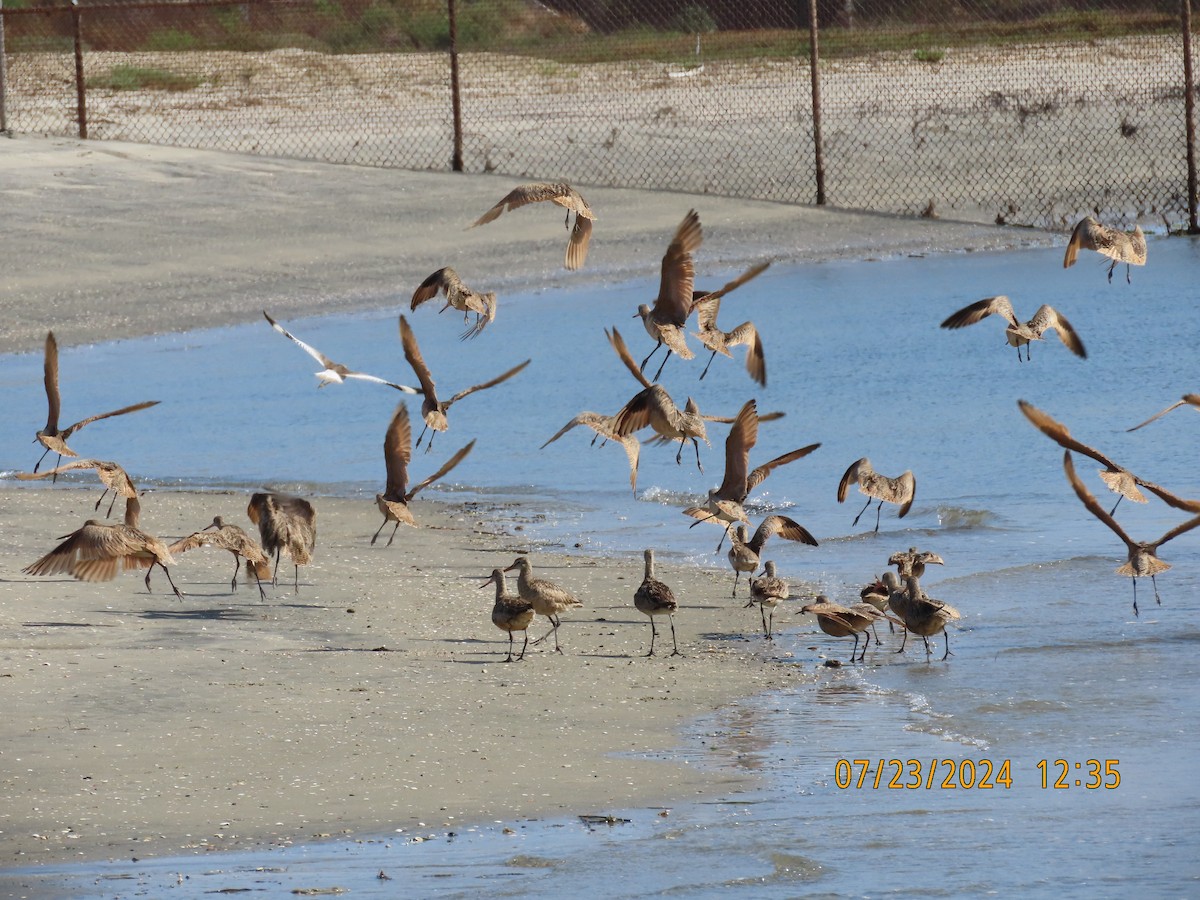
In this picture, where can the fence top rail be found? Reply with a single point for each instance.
(69, 6)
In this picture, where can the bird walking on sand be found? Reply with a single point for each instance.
(1127, 247)
(744, 552)
(1020, 334)
(556, 192)
(460, 297)
(1192, 400)
(920, 613)
(100, 552)
(332, 372)
(1143, 555)
(548, 598)
(510, 613)
(666, 319)
(52, 437)
(845, 621)
(285, 525)
(913, 561)
(228, 536)
(708, 306)
(605, 427)
(112, 476)
(899, 490)
(397, 453)
(433, 411)
(656, 599)
(768, 591)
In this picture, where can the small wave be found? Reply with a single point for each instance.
(958, 517)
(668, 497)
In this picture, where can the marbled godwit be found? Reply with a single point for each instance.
(548, 598)
(397, 453)
(921, 613)
(99, 552)
(562, 194)
(460, 297)
(285, 525)
(744, 553)
(876, 594)
(665, 321)
(1192, 400)
(228, 536)
(708, 306)
(433, 411)
(510, 613)
(913, 561)
(333, 373)
(52, 437)
(656, 599)
(900, 490)
(1118, 479)
(1143, 555)
(768, 590)
(1020, 334)
(605, 427)
(112, 476)
(845, 621)
(1119, 246)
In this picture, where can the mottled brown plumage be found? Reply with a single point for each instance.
(285, 525)
(768, 591)
(1017, 333)
(845, 621)
(899, 490)
(1119, 246)
(665, 320)
(1192, 400)
(605, 427)
(745, 552)
(708, 306)
(112, 476)
(920, 613)
(459, 296)
(548, 598)
(555, 192)
(228, 536)
(510, 613)
(654, 598)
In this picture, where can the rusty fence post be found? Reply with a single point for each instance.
(80, 90)
(814, 61)
(1189, 107)
(3, 76)
(456, 162)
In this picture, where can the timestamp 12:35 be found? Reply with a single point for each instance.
(967, 774)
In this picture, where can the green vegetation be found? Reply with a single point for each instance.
(929, 56)
(137, 78)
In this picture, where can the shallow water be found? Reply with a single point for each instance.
(1049, 660)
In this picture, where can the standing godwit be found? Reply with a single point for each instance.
(768, 590)
(460, 297)
(433, 411)
(52, 437)
(397, 452)
(656, 599)
(605, 427)
(899, 490)
(285, 525)
(920, 613)
(1192, 400)
(548, 598)
(99, 552)
(112, 476)
(1143, 555)
(744, 553)
(708, 306)
(333, 373)
(228, 536)
(1020, 334)
(665, 321)
(562, 194)
(845, 621)
(509, 613)
(1119, 246)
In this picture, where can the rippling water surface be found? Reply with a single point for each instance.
(1049, 663)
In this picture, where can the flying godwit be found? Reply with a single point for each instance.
(52, 437)
(665, 321)
(656, 599)
(899, 490)
(744, 553)
(1192, 400)
(768, 590)
(99, 552)
(285, 525)
(845, 621)
(112, 476)
(913, 561)
(1017, 333)
(332, 372)
(228, 536)
(562, 194)
(460, 297)
(1119, 246)
(510, 613)
(605, 427)
(708, 306)
(920, 613)
(397, 452)
(1143, 555)
(433, 411)
(548, 598)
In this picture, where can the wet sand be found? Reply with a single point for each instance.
(376, 697)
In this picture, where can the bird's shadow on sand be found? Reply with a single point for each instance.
(221, 615)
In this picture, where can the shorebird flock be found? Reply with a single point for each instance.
(99, 550)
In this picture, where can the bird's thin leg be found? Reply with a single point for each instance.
(38, 464)
(679, 455)
(878, 513)
(1115, 505)
(510, 645)
(653, 635)
(928, 652)
(1127, 281)
(640, 368)
(296, 583)
(1110, 270)
(1135, 609)
(709, 517)
(275, 571)
(57, 463)
(375, 536)
(663, 364)
(392, 537)
(876, 633)
(903, 641)
(946, 635)
(696, 443)
(1157, 599)
(674, 642)
(854, 650)
(722, 540)
(548, 633)
(178, 593)
(737, 573)
(771, 625)
(861, 511)
(557, 649)
(237, 564)
(110, 504)
(148, 571)
(422, 434)
(101, 500)
(524, 645)
(710, 359)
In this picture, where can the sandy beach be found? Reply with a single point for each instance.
(376, 697)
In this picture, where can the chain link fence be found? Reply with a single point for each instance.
(1020, 111)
